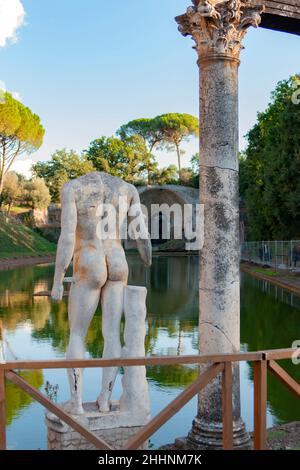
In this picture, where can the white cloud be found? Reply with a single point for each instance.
(12, 16)
(16, 95)
(23, 167)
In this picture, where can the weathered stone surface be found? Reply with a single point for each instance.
(218, 29)
(100, 269)
(115, 427)
(135, 397)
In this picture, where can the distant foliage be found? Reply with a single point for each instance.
(176, 128)
(36, 193)
(149, 131)
(11, 190)
(164, 132)
(63, 166)
(161, 176)
(20, 132)
(270, 168)
(126, 158)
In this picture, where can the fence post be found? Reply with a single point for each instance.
(2, 411)
(2, 339)
(227, 413)
(260, 404)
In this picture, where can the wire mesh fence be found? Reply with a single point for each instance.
(276, 254)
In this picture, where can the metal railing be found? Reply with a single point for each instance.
(276, 254)
(216, 364)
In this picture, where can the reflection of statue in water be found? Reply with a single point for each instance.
(100, 269)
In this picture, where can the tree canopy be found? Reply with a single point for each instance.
(125, 158)
(270, 168)
(166, 131)
(176, 128)
(11, 189)
(36, 193)
(20, 132)
(63, 166)
(147, 129)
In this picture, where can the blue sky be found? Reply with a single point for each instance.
(88, 66)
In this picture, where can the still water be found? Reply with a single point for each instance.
(38, 329)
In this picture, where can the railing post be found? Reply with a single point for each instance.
(260, 405)
(227, 413)
(2, 411)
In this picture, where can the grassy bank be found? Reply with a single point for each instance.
(17, 240)
(281, 278)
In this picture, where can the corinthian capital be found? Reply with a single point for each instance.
(218, 27)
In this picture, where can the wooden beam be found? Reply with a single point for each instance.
(57, 410)
(129, 362)
(283, 15)
(260, 405)
(280, 23)
(284, 378)
(279, 354)
(227, 413)
(2, 345)
(148, 361)
(176, 405)
(2, 412)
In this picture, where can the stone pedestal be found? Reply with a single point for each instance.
(115, 427)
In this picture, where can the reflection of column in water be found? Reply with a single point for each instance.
(179, 348)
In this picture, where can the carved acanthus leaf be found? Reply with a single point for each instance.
(218, 26)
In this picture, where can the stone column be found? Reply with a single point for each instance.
(218, 27)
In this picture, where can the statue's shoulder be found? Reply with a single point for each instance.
(117, 183)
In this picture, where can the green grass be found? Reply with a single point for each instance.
(276, 434)
(19, 209)
(267, 272)
(17, 240)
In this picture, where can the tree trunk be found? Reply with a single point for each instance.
(179, 159)
(1, 186)
(9, 208)
(149, 165)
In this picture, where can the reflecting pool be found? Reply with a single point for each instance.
(36, 328)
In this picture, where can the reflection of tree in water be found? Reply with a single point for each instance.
(24, 279)
(270, 324)
(16, 399)
(177, 376)
(172, 306)
(56, 328)
(17, 303)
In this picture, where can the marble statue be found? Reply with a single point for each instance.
(100, 272)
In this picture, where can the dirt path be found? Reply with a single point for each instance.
(11, 263)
